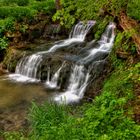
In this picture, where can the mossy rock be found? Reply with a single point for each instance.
(12, 57)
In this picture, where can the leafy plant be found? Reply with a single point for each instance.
(3, 43)
(13, 136)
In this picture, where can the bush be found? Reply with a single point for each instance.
(45, 6)
(19, 13)
(16, 2)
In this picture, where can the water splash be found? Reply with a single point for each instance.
(53, 82)
(27, 68)
(81, 29)
(77, 85)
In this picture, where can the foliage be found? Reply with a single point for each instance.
(80, 9)
(3, 43)
(86, 10)
(13, 136)
(44, 6)
(16, 2)
(133, 9)
(19, 13)
(114, 7)
(48, 120)
(7, 24)
(123, 44)
(73, 10)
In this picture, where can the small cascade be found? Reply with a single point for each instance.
(81, 29)
(77, 35)
(103, 46)
(53, 82)
(77, 85)
(27, 69)
(79, 79)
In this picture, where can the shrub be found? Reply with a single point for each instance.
(44, 6)
(48, 121)
(16, 2)
(19, 13)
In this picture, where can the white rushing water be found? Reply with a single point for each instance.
(27, 68)
(78, 78)
(53, 82)
(77, 35)
(77, 85)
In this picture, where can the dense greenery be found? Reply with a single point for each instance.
(13, 11)
(133, 9)
(75, 10)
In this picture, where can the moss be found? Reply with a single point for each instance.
(11, 59)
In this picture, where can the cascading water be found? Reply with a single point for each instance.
(77, 35)
(81, 29)
(77, 85)
(27, 68)
(79, 79)
(53, 82)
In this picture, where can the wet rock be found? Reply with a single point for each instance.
(2, 53)
(54, 31)
(12, 57)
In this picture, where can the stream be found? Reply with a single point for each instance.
(58, 74)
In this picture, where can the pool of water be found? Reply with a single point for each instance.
(13, 93)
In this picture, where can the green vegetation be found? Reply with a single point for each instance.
(133, 9)
(75, 10)
(107, 118)
(20, 11)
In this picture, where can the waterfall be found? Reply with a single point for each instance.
(81, 29)
(79, 76)
(27, 68)
(53, 82)
(83, 69)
